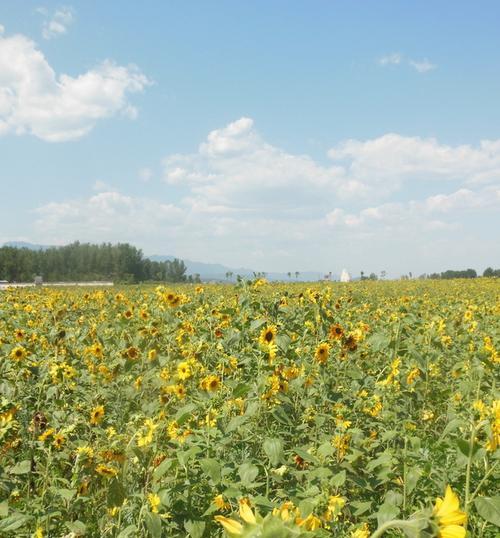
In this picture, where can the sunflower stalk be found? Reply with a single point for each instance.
(411, 527)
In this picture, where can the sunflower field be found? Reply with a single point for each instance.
(256, 409)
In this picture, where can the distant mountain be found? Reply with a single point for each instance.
(23, 244)
(217, 271)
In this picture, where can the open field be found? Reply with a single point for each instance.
(325, 409)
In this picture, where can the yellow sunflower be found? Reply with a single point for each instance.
(96, 415)
(449, 517)
(268, 335)
(322, 351)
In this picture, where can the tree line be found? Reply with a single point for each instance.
(465, 273)
(87, 262)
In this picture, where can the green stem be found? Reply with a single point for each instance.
(483, 480)
(393, 524)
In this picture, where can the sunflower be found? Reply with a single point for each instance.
(268, 335)
(132, 352)
(336, 332)
(180, 391)
(449, 517)
(106, 471)
(96, 415)
(350, 343)
(210, 383)
(183, 370)
(18, 353)
(19, 335)
(59, 440)
(321, 354)
(154, 501)
(231, 526)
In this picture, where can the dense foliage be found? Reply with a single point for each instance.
(86, 262)
(253, 410)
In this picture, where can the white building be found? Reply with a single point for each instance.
(345, 276)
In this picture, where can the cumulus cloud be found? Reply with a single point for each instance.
(106, 216)
(427, 214)
(34, 100)
(248, 202)
(56, 24)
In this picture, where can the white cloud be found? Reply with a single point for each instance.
(106, 216)
(422, 66)
(396, 58)
(2, 29)
(58, 23)
(243, 195)
(391, 59)
(386, 162)
(420, 214)
(34, 100)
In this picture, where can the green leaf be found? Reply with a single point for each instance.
(412, 477)
(22, 467)
(274, 450)
(212, 468)
(465, 447)
(76, 527)
(256, 323)
(14, 522)
(240, 390)
(66, 494)
(361, 507)
(326, 449)
(386, 512)
(153, 524)
(489, 508)
(164, 466)
(116, 494)
(305, 455)
(248, 473)
(185, 413)
(339, 479)
(195, 528)
(4, 509)
(128, 531)
(283, 342)
(235, 423)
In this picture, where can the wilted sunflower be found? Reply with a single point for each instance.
(132, 352)
(350, 343)
(268, 335)
(106, 470)
(336, 332)
(19, 335)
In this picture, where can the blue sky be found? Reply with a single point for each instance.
(275, 135)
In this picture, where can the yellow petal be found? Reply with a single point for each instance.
(231, 526)
(452, 531)
(246, 513)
